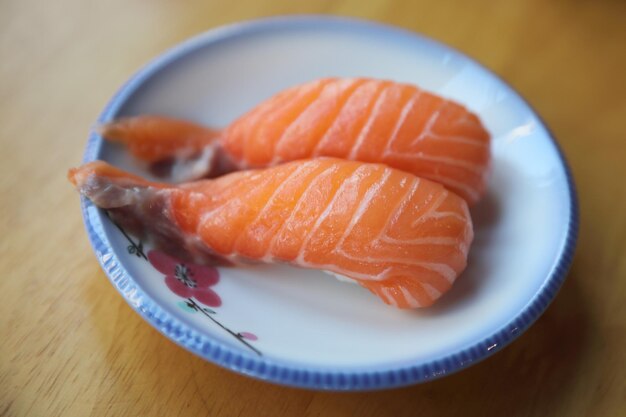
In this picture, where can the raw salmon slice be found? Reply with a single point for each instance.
(404, 238)
(358, 119)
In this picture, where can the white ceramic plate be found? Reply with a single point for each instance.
(302, 327)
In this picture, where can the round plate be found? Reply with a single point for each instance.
(304, 328)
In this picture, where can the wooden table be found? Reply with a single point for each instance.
(70, 345)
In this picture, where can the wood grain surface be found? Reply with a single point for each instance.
(70, 345)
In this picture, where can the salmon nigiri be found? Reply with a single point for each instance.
(404, 238)
(358, 119)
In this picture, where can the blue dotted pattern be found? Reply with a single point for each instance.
(277, 371)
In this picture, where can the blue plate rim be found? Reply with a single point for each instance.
(282, 372)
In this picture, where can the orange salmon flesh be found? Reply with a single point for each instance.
(402, 237)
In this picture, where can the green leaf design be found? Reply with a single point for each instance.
(187, 306)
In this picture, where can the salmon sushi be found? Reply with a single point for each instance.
(358, 119)
(403, 238)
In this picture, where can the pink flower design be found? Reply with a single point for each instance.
(248, 335)
(186, 279)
